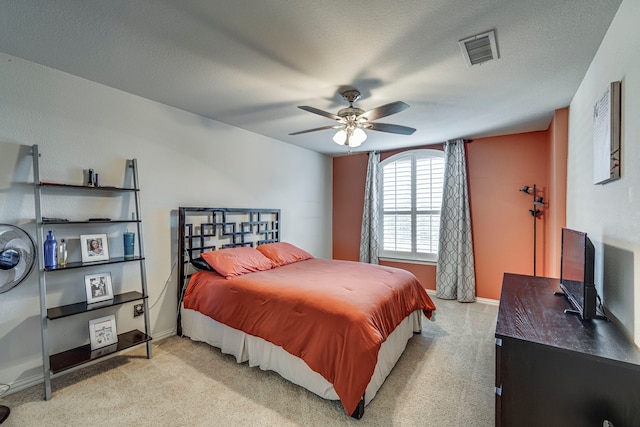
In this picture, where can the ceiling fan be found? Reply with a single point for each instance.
(353, 121)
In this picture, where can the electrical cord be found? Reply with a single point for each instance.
(185, 283)
(600, 308)
(166, 284)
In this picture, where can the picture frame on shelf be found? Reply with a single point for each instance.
(94, 247)
(102, 332)
(98, 287)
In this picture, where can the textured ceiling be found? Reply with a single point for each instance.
(250, 63)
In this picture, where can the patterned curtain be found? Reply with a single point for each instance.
(455, 274)
(369, 233)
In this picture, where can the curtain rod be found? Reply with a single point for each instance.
(425, 145)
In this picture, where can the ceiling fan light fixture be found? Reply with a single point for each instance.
(357, 138)
(352, 137)
(340, 137)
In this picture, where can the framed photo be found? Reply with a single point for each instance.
(103, 332)
(98, 287)
(94, 247)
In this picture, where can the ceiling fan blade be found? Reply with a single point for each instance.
(315, 129)
(384, 110)
(386, 127)
(322, 113)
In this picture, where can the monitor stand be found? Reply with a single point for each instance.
(577, 312)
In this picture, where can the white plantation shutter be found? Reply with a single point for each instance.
(396, 203)
(411, 199)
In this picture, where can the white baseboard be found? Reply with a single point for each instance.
(489, 301)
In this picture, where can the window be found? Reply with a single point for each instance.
(410, 201)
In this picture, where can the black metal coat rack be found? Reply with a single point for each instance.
(535, 213)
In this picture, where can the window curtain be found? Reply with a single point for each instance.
(455, 273)
(369, 233)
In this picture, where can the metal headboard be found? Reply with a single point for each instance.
(207, 229)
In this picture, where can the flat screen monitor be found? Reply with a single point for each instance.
(577, 271)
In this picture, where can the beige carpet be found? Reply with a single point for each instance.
(444, 378)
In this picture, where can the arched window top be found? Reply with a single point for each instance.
(410, 153)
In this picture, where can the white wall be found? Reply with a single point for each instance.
(183, 159)
(610, 213)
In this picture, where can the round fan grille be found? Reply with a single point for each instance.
(17, 255)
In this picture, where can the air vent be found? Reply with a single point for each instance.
(479, 48)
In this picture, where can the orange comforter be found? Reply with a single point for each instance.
(332, 314)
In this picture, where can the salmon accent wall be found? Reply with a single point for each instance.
(349, 178)
(426, 273)
(502, 226)
(557, 207)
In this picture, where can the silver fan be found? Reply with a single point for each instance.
(17, 256)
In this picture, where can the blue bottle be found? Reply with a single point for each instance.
(50, 249)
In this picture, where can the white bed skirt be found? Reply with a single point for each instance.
(258, 352)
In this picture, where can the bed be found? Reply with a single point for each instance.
(334, 327)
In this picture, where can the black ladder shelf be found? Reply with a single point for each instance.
(62, 361)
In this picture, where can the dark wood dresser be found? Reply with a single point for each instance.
(554, 369)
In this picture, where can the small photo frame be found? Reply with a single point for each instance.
(98, 287)
(103, 332)
(94, 247)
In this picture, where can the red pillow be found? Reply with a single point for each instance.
(282, 253)
(232, 262)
